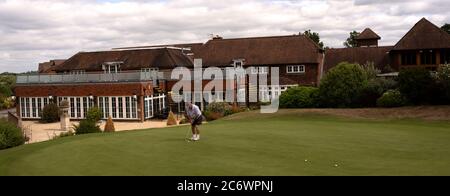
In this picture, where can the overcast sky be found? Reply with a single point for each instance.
(35, 31)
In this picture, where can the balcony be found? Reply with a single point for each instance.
(89, 78)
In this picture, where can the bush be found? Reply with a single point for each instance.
(374, 89)
(87, 126)
(10, 135)
(342, 86)
(109, 126)
(299, 97)
(171, 120)
(392, 98)
(222, 108)
(94, 114)
(416, 85)
(443, 80)
(370, 70)
(50, 113)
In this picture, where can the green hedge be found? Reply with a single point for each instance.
(299, 97)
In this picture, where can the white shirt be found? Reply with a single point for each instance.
(194, 112)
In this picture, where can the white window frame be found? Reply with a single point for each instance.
(77, 72)
(153, 104)
(128, 103)
(77, 107)
(28, 110)
(260, 70)
(291, 69)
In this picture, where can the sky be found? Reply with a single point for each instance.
(33, 31)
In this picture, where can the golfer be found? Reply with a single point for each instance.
(194, 115)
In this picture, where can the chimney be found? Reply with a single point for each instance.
(217, 37)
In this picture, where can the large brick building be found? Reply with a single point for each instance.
(133, 83)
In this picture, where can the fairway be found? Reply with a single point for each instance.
(286, 143)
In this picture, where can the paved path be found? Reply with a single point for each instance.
(43, 132)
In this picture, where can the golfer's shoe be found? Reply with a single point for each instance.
(197, 138)
(193, 138)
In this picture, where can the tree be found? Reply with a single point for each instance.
(342, 86)
(315, 37)
(416, 84)
(446, 28)
(351, 41)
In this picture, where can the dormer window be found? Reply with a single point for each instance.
(112, 67)
(238, 63)
(77, 72)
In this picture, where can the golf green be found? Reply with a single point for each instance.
(248, 144)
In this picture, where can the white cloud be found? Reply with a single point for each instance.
(51, 29)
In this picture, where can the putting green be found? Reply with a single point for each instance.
(248, 144)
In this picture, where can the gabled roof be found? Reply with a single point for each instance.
(163, 58)
(424, 35)
(361, 55)
(193, 46)
(276, 50)
(368, 34)
(47, 67)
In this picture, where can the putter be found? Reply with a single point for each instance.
(186, 137)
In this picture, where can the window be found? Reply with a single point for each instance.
(295, 69)
(114, 107)
(112, 67)
(445, 56)
(77, 72)
(31, 107)
(260, 70)
(409, 58)
(127, 107)
(428, 57)
(120, 108)
(149, 70)
(120, 103)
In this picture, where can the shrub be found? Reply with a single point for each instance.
(299, 97)
(50, 113)
(416, 84)
(222, 108)
(86, 126)
(370, 70)
(374, 89)
(392, 98)
(342, 86)
(171, 120)
(109, 126)
(94, 114)
(443, 80)
(10, 135)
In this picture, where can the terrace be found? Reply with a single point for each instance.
(134, 76)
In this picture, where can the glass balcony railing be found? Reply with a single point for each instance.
(89, 78)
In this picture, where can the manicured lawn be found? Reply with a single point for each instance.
(248, 144)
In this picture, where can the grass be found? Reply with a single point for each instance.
(248, 144)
